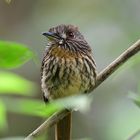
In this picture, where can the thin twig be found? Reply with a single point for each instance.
(127, 54)
(48, 123)
(103, 75)
(133, 136)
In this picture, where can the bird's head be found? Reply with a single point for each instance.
(67, 37)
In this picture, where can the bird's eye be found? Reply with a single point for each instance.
(71, 34)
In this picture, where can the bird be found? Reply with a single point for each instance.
(68, 68)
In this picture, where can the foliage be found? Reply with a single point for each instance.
(13, 55)
(3, 122)
(36, 107)
(135, 98)
(11, 83)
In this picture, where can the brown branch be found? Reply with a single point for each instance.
(103, 75)
(127, 54)
(48, 123)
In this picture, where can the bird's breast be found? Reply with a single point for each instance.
(65, 75)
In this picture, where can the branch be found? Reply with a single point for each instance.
(127, 54)
(102, 76)
(48, 123)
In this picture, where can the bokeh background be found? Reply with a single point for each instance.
(110, 27)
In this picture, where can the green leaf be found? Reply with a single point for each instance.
(138, 88)
(79, 102)
(13, 55)
(135, 98)
(13, 84)
(135, 135)
(3, 121)
(31, 107)
(38, 108)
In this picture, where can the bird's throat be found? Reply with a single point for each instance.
(61, 52)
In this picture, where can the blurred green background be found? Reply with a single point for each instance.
(110, 27)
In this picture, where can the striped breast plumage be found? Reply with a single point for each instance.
(66, 73)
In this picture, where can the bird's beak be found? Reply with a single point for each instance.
(51, 36)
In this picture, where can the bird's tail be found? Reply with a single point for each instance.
(63, 128)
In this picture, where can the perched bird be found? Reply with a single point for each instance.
(68, 68)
